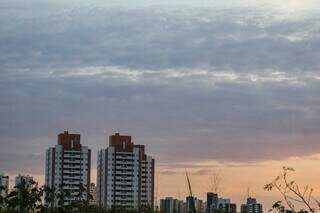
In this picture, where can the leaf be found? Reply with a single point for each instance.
(268, 187)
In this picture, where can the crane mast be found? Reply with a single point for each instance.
(193, 209)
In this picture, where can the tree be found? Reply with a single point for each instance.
(293, 194)
(61, 194)
(26, 197)
(215, 181)
(49, 196)
(2, 199)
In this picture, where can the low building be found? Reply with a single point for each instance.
(190, 204)
(200, 205)
(216, 204)
(171, 205)
(194, 204)
(212, 202)
(252, 206)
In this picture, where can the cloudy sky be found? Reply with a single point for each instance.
(206, 85)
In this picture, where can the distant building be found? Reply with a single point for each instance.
(252, 206)
(93, 193)
(125, 175)
(193, 203)
(190, 204)
(68, 168)
(222, 205)
(212, 202)
(4, 185)
(171, 205)
(225, 206)
(199, 204)
(23, 181)
(231, 208)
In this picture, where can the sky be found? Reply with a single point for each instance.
(229, 86)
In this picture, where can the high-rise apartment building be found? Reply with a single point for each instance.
(252, 206)
(171, 205)
(68, 168)
(4, 185)
(125, 175)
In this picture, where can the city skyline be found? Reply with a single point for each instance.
(229, 87)
(201, 179)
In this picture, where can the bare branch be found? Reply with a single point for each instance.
(291, 193)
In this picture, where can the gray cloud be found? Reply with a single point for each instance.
(238, 39)
(228, 85)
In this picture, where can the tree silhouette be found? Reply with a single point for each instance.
(292, 194)
(27, 197)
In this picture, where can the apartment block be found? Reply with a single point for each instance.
(68, 168)
(125, 175)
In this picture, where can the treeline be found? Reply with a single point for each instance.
(29, 197)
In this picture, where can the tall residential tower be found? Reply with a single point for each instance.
(68, 168)
(125, 175)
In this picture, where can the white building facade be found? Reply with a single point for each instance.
(68, 166)
(125, 175)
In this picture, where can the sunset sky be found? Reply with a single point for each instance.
(230, 86)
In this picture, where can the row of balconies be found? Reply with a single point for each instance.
(123, 165)
(119, 185)
(122, 170)
(124, 195)
(123, 174)
(72, 166)
(123, 191)
(76, 183)
(72, 174)
(129, 158)
(72, 155)
(73, 170)
(123, 154)
(72, 179)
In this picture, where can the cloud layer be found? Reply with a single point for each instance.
(237, 84)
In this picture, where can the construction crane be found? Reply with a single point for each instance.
(193, 208)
